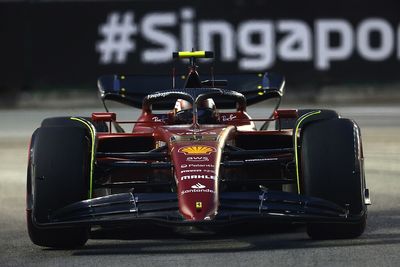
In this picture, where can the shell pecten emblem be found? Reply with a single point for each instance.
(197, 150)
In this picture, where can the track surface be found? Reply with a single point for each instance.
(380, 245)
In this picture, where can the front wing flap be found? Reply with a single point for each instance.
(162, 208)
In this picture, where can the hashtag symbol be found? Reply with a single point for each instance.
(117, 31)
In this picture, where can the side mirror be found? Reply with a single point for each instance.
(273, 84)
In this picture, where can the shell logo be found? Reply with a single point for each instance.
(197, 150)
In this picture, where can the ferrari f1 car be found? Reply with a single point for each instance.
(195, 165)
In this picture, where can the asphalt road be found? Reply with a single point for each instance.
(276, 246)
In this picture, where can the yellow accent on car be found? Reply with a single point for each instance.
(199, 205)
(197, 150)
(93, 135)
(302, 118)
(122, 92)
(187, 54)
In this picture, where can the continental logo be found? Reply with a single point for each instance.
(197, 150)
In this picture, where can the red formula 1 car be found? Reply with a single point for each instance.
(195, 165)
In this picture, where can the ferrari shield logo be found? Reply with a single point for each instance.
(197, 150)
(199, 205)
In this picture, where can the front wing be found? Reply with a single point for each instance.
(235, 207)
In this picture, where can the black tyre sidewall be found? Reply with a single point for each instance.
(290, 123)
(67, 122)
(331, 163)
(57, 176)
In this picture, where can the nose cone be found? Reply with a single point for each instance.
(196, 177)
(198, 203)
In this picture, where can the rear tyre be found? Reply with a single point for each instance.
(332, 167)
(57, 176)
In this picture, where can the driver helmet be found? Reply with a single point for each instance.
(206, 112)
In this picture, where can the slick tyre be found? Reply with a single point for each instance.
(67, 122)
(332, 167)
(290, 123)
(58, 174)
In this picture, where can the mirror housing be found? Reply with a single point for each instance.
(273, 84)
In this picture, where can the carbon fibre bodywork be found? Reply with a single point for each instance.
(235, 207)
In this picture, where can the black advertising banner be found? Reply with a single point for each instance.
(69, 44)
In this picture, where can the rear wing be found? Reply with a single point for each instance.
(132, 89)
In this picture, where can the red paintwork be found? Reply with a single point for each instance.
(148, 132)
(285, 113)
(104, 116)
(196, 174)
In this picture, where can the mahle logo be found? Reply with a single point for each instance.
(198, 176)
(254, 44)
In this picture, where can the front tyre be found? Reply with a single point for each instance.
(67, 122)
(57, 176)
(332, 167)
